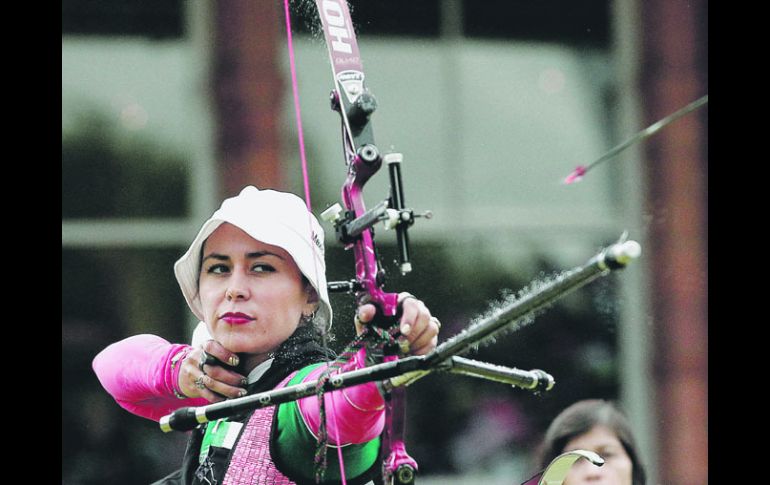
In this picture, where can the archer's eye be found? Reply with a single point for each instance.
(218, 269)
(262, 268)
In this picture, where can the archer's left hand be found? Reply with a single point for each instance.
(417, 325)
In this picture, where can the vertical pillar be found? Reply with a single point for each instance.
(247, 89)
(673, 75)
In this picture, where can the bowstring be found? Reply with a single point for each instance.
(320, 456)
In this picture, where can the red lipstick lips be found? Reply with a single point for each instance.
(236, 318)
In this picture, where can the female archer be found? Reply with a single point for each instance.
(255, 278)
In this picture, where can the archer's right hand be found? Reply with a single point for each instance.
(204, 373)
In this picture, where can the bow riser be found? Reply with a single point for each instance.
(367, 266)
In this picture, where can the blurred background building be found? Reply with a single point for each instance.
(167, 107)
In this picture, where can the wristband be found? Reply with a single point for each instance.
(179, 356)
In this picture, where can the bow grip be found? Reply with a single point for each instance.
(386, 320)
(387, 309)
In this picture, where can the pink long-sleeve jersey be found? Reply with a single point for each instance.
(141, 374)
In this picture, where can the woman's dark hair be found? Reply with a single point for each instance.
(581, 417)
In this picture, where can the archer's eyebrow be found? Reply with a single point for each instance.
(259, 254)
(253, 255)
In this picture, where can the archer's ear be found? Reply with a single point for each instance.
(312, 295)
(313, 302)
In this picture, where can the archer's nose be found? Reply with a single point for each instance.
(236, 290)
(235, 294)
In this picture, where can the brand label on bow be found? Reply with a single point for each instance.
(352, 83)
(340, 36)
(337, 26)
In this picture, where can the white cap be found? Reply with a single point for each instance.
(277, 218)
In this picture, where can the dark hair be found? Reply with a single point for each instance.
(581, 417)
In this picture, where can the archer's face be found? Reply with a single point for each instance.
(252, 293)
(617, 468)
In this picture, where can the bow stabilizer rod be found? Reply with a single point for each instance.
(391, 374)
